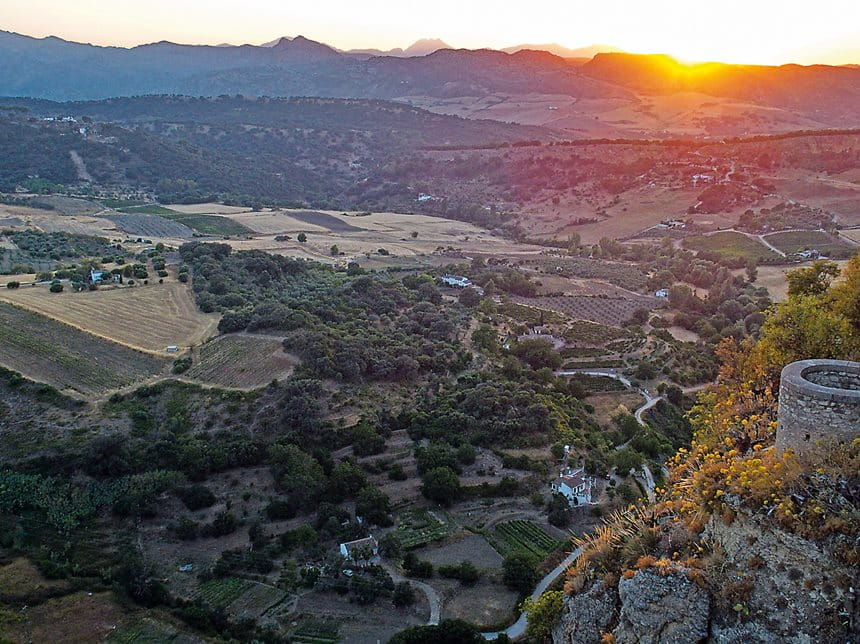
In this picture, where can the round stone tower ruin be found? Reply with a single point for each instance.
(819, 400)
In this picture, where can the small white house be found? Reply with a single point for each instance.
(172, 348)
(575, 485)
(361, 551)
(663, 292)
(455, 281)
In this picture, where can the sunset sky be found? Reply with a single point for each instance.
(745, 31)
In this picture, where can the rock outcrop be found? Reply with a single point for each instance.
(587, 616)
(762, 585)
(657, 609)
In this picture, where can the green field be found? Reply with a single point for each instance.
(797, 241)
(220, 593)
(49, 351)
(418, 527)
(513, 537)
(146, 209)
(214, 225)
(731, 244)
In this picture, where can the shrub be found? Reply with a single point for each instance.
(403, 594)
(196, 497)
(56, 287)
(13, 284)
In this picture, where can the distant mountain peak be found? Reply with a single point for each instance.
(564, 52)
(425, 46)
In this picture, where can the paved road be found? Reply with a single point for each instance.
(432, 596)
(518, 628)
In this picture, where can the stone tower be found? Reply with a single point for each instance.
(818, 400)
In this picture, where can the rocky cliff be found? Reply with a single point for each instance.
(755, 584)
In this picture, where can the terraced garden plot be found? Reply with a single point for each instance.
(796, 241)
(66, 358)
(220, 593)
(418, 527)
(593, 332)
(731, 244)
(311, 630)
(147, 630)
(241, 362)
(255, 600)
(147, 318)
(592, 309)
(142, 225)
(520, 536)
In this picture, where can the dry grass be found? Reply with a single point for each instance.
(79, 618)
(241, 362)
(21, 580)
(145, 318)
(610, 404)
(773, 278)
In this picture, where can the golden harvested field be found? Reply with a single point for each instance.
(146, 318)
(774, 280)
(359, 237)
(241, 362)
(207, 209)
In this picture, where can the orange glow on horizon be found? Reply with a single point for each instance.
(769, 32)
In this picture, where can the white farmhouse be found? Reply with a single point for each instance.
(575, 485)
(361, 551)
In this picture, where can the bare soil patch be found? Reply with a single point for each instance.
(463, 547)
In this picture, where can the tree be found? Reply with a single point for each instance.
(559, 511)
(335, 251)
(12, 285)
(441, 485)
(543, 613)
(448, 631)
(347, 479)
(56, 287)
(803, 328)
(390, 546)
(519, 572)
(403, 594)
(814, 280)
(374, 505)
(297, 473)
(486, 338)
(537, 353)
(469, 297)
(302, 238)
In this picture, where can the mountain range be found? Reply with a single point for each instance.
(596, 88)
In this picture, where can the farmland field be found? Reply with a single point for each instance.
(68, 359)
(241, 362)
(146, 209)
(592, 309)
(794, 242)
(209, 224)
(593, 332)
(146, 318)
(519, 536)
(220, 593)
(150, 226)
(731, 244)
(418, 527)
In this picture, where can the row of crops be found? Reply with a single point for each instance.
(520, 536)
(418, 527)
